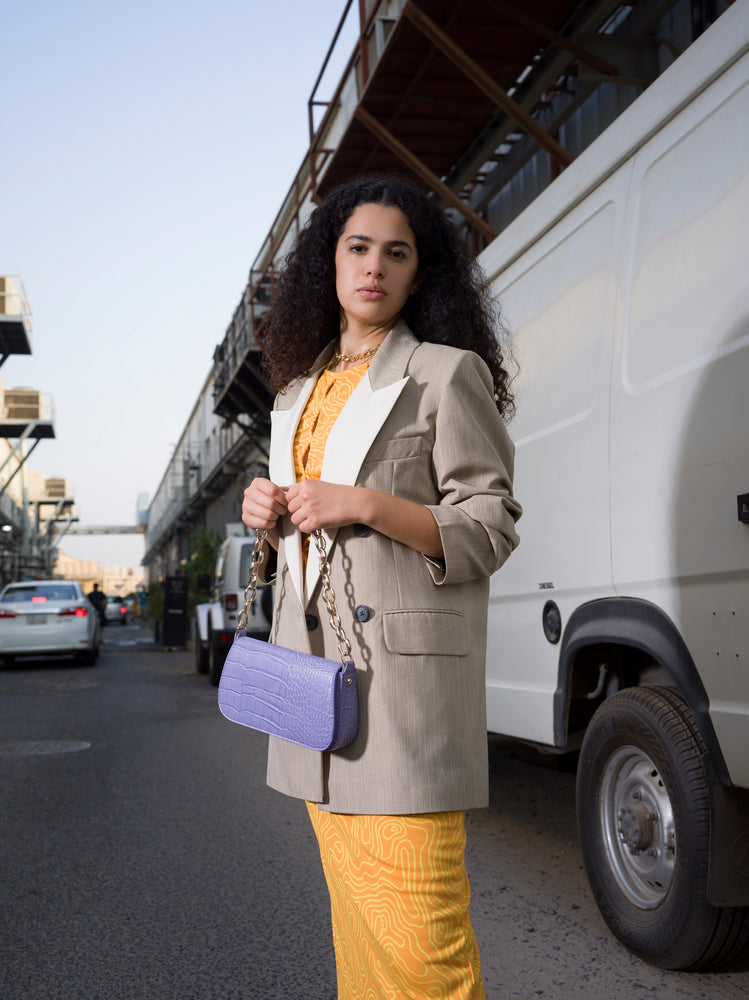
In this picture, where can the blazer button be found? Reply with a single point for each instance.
(312, 622)
(362, 612)
(362, 530)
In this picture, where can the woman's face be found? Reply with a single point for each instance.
(376, 265)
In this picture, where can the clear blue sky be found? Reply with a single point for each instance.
(146, 148)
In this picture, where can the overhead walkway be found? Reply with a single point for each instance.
(482, 102)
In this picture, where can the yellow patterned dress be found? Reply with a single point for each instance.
(399, 892)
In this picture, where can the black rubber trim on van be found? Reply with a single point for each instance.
(627, 621)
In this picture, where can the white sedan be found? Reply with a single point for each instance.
(45, 617)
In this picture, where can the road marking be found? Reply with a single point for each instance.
(39, 748)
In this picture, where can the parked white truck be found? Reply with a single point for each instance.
(216, 622)
(621, 625)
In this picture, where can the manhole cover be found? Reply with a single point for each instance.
(39, 748)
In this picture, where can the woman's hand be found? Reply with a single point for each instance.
(315, 504)
(263, 504)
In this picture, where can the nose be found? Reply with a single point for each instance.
(375, 267)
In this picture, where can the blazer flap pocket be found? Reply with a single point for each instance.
(394, 448)
(425, 633)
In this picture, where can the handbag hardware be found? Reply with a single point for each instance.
(303, 698)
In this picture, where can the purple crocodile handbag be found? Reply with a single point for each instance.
(300, 697)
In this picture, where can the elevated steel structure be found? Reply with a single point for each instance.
(483, 103)
(461, 97)
(15, 318)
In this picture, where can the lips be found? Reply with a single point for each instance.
(372, 292)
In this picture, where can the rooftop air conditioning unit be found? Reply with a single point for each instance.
(7, 294)
(23, 404)
(56, 488)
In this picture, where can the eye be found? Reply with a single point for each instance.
(358, 248)
(398, 254)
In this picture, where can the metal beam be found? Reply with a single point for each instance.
(108, 529)
(485, 83)
(421, 170)
(27, 431)
(512, 13)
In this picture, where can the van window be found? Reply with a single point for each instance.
(221, 564)
(245, 559)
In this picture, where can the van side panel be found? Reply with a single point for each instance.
(562, 297)
(680, 398)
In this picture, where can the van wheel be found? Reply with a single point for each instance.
(643, 812)
(216, 658)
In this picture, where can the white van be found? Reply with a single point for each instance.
(621, 625)
(216, 622)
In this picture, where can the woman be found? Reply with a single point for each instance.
(387, 433)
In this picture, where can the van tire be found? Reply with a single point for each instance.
(644, 815)
(201, 653)
(217, 653)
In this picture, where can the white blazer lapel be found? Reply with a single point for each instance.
(281, 471)
(349, 441)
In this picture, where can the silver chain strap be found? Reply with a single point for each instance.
(328, 594)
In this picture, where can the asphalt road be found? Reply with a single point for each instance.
(143, 858)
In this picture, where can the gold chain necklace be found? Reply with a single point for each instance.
(353, 357)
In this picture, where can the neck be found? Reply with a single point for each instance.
(354, 339)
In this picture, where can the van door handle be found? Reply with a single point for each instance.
(743, 502)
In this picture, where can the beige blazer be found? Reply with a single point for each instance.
(422, 424)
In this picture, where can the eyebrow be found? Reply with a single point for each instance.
(388, 243)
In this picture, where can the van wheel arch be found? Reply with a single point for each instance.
(648, 646)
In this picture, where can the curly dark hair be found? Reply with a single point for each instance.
(451, 305)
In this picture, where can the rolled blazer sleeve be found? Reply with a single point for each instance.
(473, 459)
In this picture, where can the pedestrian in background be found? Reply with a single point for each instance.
(99, 601)
(388, 433)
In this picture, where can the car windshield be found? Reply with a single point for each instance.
(40, 592)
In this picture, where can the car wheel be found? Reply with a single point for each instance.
(216, 659)
(201, 653)
(89, 657)
(644, 816)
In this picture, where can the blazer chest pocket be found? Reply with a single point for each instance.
(425, 633)
(392, 449)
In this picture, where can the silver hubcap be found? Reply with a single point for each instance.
(638, 827)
